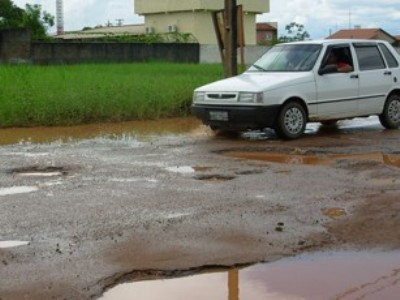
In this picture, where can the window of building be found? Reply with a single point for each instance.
(268, 36)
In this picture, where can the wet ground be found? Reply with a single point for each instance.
(84, 209)
(321, 275)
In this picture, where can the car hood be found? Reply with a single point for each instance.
(257, 82)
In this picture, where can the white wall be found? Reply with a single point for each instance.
(210, 54)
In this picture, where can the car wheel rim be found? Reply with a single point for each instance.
(294, 120)
(394, 111)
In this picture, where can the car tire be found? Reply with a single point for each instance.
(291, 121)
(329, 123)
(390, 117)
(214, 128)
(224, 131)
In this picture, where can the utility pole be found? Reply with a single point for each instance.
(233, 284)
(230, 37)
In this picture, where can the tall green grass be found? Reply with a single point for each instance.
(76, 94)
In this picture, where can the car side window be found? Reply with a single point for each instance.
(369, 57)
(390, 59)
(340, 57)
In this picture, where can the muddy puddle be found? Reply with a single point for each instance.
(339, 275)
(141, 129)
(314, 159)
(135, 128)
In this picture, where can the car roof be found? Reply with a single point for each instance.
(338, 41)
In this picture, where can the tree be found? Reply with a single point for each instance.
(39, 22)
(295, 32)
(11, 16)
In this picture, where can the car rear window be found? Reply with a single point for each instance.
(391, 60)
(369, 57)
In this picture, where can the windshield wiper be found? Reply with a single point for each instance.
(259, 68)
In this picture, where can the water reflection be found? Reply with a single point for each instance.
(137, 128)
(341, 275)
(321, 159)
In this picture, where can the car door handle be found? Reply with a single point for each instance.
(388, 73)
(354, 76)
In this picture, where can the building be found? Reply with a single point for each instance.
(194, 17)
(267, 33)
(364, 33)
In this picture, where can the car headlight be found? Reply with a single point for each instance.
(251, 97)
(199, 96)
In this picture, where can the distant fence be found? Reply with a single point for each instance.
(66, 53)
(16, 46)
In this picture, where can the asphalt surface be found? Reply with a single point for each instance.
(105, 210)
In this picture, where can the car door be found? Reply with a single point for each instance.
(337, 92)
(375, 78)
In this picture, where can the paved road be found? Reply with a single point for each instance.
(100, 211)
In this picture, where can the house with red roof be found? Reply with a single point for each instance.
(267, 33)
(365, 33)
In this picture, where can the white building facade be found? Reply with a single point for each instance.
(195, 17)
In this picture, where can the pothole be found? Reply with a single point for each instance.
(37, 171)
(340, 275)
(298, 156)
(334, 212)
(214, 177)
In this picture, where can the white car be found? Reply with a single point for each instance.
(296, 83)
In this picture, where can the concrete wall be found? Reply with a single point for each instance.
(66, 53)
(15, 45)
(210, 54)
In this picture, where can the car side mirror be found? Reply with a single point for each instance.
(327, 70)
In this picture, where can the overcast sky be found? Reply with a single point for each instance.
(320, 17)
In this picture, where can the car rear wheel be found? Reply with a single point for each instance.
(390, 117)
(329, 123)
(291, 121)
(224, 131)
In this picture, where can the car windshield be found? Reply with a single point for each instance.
(288, 58)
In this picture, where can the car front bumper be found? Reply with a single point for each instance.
(236, 117)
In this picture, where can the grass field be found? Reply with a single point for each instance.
(77, 94)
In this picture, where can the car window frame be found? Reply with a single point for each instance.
(329, 49)
(387, 51)
(361, 65)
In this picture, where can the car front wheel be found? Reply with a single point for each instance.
(390, 117)
(291, 121)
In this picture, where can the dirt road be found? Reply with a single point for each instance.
(97, 212)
